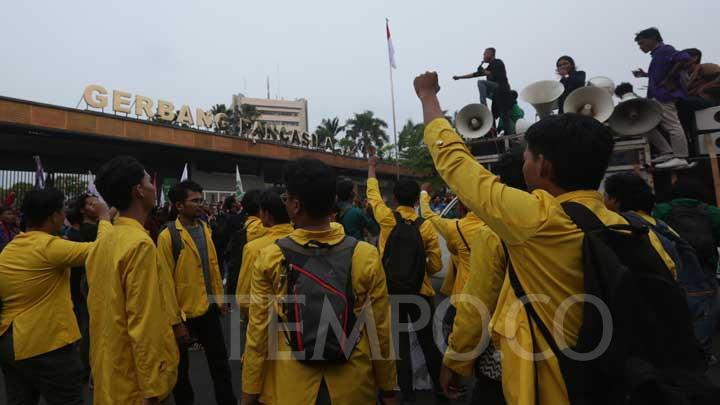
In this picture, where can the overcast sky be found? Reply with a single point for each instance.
(332, 53)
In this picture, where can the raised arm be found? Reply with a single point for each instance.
(443, 226)
(479, 73)
(64, 253)
(382, 213)
(513, 214)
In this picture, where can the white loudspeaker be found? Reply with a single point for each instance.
(522, 125)
(591, 101)
(702, 150)
(474, 121)
(708, 119)
(604, 83)
(543, 96)
(636, 116)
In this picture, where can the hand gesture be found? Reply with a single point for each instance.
(427, 85)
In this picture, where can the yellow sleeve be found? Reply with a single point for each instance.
(245, 277)
(513, 214)
(146, 319)
(382, 213)
(64, 253)
(383, 366)
(166, 270)
(256, 346)
(450, 275)
(215, 276)
(432, 249)
(484, 284)
(444, 226)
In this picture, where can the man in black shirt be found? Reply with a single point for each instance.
(496, 87)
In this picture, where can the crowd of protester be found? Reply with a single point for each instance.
(111, 292)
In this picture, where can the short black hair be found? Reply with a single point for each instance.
(81, 201)
(313, 183)
(631, 192)
(567, 58)
(345, 189)
(649, 33)
(623, 88)
(407, 192)
(116, 179)
(73, 215)
(579, 148)
(688, 187)
(510, 168)
(251, 202)
(491, 49)
(514, 95)
(40, 204)
(694, 53)
(271, 202)
(179, 191)
(229, 202)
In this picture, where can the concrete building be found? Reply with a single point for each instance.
(290, 114)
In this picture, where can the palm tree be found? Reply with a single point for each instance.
(347, 146)
(328, 128)
(367, 130)
(222, 109)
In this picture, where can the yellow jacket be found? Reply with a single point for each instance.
(488, 264)
(254, 227)
(187, 273)
(354, 382)
(133, 353)
(35, 291)
(545, 248)
(448, 284)
(250, 253)
(448, 229)
(385, 218)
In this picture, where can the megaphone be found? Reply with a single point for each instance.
(635, 116)
(474, 121)
(522, 125)
(604, 83)
(543, 96)
(591, 101)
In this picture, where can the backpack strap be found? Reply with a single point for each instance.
(582, 216)
(176, 239)
(457, 225)
(533, 317)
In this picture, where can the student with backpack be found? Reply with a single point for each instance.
(250, 228)
(410, 252)
(485, 280)
(186, 250)
(698, 223)
(552, 237)
(329, 270)
(457, 233)
(276, 223)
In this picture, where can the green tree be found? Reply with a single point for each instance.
(413, 152)
(347, 146)
(229, 124)
(367, 130)
(329, 128)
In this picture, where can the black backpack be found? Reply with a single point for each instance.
(652, 356)
(319, 274)
(693, 224)
(175, 239)
(404, 257)
(234, 258)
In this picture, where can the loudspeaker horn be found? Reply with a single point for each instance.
(522, 125)
(635, 116)
(604, 83)
(474, 121)
(591, 101)
(543, 96)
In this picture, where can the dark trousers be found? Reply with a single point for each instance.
(486, 391)
(56, 376)
(208, 331)
(411, 313)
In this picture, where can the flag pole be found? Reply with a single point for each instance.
(392, 98)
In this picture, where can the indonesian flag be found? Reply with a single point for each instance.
(391, 48)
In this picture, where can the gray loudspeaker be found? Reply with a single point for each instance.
(543, 96)
(702, 150)
(708, 119)
(474, 121)
(591, 101)
(636, 116)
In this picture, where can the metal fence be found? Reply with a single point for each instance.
(20, 182)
